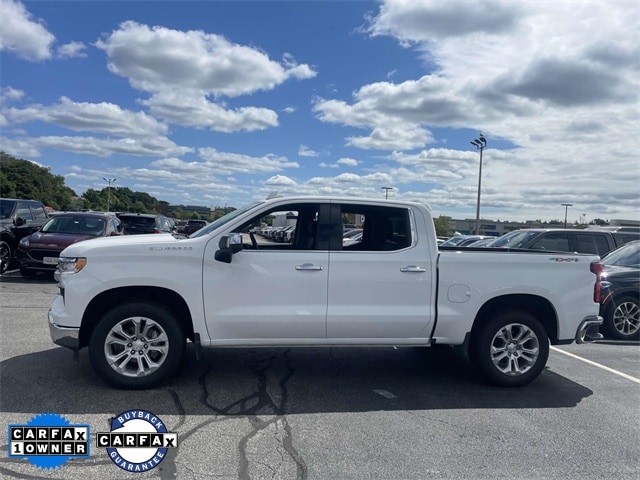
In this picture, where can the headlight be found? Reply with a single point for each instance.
(24, 242)
(71, 264)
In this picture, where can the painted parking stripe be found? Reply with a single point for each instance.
(595, 364)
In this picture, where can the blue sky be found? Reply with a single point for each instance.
(221, 103)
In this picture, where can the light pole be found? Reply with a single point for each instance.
(386, 191)
(109, 181)
(566, 208)
(479, 143)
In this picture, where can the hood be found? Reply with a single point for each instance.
(56, 241)
(130, 242)
(612, 271)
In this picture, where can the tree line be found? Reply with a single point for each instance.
(27, 180)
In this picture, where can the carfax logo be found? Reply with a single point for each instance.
(48, 441)
(138, 441)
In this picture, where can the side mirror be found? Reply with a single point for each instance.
(227, 246)
(19, 221)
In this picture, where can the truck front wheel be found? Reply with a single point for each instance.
(511, 349)
(137, 345)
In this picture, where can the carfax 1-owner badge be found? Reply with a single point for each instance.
(48, 441)
(138, 441)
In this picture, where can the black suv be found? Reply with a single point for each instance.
(18, 218)
(138, 223)
(598, 241)
(193, 226)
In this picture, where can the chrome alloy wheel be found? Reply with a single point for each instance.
(514, 349)
(626, 318)
(136, 347)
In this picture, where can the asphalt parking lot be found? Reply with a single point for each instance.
(335, 413)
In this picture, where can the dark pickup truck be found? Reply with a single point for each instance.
(591, 240)
(18, 218)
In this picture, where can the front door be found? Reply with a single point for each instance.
(276, 287)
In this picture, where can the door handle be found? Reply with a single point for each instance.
(309, 266)
(413, 269)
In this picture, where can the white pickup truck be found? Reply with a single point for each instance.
(135, 300)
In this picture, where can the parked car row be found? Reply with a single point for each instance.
(39, 251)
(619, 248)
(282, 234)
(591, 240)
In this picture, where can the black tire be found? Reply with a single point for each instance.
(25, 272)
(6, 256)
(622, 318)
(510, 349)
(154, 336)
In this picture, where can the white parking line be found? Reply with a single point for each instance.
(595, 364)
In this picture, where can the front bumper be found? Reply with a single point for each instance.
(68, 337)
(588, 329)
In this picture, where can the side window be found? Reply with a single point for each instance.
(23, 211)
(294, 227)
(374, 228)
(593, 243)
(558, 242)
(38, 213)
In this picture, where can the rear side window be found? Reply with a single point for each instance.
(625, 237)
(38, 212)
(556, 241)
(593, 243)
(384, 229)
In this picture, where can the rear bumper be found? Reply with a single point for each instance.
(588, 329)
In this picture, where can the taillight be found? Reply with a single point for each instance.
(596, 268)
(157, 230)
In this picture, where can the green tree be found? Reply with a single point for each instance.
(24, 179)
(443, 226)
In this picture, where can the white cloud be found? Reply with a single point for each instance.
(192, 109)
(10, 94)
(22, 35)
(72, 50)
(305, 151)
(19, 147)
(154, 147)
(224, 163)
(280, 181)
(159, 58)
(349, 162)
(101, 117)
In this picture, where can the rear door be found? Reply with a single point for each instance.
(381, 286)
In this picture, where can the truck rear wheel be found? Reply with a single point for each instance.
(137, 345)
(511, 349)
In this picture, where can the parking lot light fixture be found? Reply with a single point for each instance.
(480, 143)
(386, 191)
(109, 182)
(566, 208)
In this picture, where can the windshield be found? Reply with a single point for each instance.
(625, 256)
(75, 225)
(223, 220)
(453, 241)
(516, 239)
(6, 207)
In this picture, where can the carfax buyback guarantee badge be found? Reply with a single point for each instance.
(138, 441)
